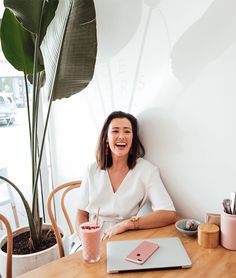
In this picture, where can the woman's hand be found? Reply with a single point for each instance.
(117, 229)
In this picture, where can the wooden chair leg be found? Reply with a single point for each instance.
(9, 246)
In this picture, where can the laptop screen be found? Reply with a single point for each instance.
(170, 254)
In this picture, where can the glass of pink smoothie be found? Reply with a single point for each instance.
(90, 235)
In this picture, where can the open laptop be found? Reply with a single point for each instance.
(171, 254)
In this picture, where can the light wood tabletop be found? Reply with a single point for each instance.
(217, 262)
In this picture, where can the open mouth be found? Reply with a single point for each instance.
(121, 145)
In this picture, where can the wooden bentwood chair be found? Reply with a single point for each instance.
(9, 246)
(68, 187)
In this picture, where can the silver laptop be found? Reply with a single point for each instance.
(171, 254)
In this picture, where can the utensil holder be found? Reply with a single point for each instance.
(228, 231)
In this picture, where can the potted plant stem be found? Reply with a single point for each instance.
(31, 32)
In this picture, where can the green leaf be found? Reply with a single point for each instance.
(48, 14)
(17, 43)
(27, 11)
(71, 45)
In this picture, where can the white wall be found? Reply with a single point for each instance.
(173, 65)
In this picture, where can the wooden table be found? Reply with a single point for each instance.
(217, 262)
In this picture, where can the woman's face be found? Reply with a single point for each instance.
(120, 136)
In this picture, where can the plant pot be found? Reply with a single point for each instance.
(25, 263)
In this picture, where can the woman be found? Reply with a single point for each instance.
(121, 181)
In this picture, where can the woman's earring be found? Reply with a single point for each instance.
(106, 154)
(107, 149)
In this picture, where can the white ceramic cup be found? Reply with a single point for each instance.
(228, 228)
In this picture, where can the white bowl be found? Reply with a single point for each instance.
(181, 227)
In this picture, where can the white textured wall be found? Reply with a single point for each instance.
(173, 65)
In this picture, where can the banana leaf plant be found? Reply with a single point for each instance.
(54, 43)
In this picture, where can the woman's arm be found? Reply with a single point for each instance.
(81, 217)
(154, 219)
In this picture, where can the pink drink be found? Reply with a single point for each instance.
(91, 241)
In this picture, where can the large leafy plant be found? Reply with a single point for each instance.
(54, 43)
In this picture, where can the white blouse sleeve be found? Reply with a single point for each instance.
(157, 194)
(83, 197)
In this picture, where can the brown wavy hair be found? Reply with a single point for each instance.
(105, 161)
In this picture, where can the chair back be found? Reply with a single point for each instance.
(9, 246)
(67, 188)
